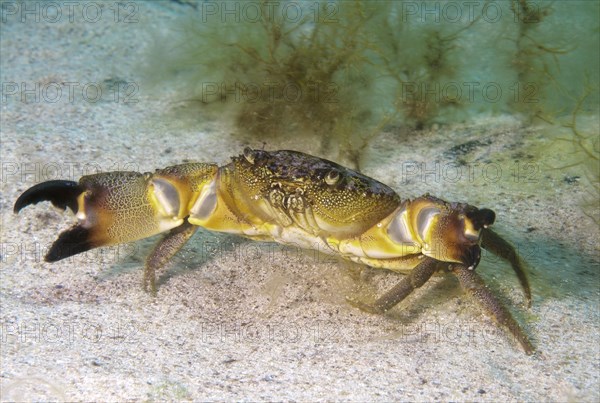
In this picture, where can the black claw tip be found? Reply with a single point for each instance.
(60, 193)
(70, 242)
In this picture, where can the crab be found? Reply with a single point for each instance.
(291, 198)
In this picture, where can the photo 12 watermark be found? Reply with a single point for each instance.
(70, 92)
(287, 12)
(436, 172)
(270, 92)
(454, 12)
(243, 251)
(469, 92)
(32, 172)
(320, 332)
(323, 332)
(33, 251)
(47, 331)
(53, 12)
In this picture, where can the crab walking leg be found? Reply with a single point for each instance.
(415, 279)
(499, 247)
(474, 285)
(164, 250)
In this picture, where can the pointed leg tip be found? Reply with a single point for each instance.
(149, 282)
(527, 345)
(149, 290)
(363, 306)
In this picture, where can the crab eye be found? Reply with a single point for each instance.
(332, 177)
(249, 154)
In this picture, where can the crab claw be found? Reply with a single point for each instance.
(119, 207)
(111, 208)
(60, 193)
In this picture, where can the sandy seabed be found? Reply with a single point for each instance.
(256, 321)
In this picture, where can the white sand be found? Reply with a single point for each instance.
(250, 321)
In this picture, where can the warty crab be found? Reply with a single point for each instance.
(291, 198)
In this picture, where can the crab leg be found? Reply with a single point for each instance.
(119, 207)
(164, 250)
(474, 285)
(415, 279)
(499, 247)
